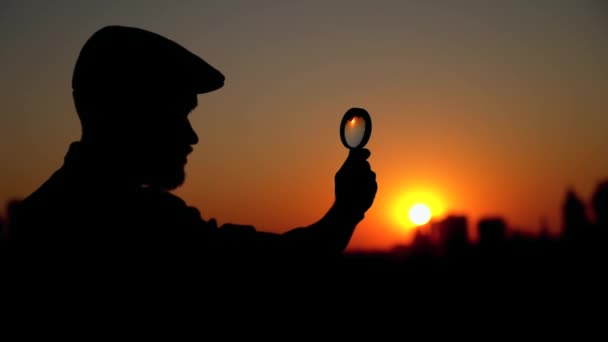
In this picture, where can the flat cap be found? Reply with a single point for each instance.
(128, 59)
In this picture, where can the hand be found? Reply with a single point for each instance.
(355, 184)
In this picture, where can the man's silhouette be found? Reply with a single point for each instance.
(133, 91)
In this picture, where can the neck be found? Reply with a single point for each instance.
(109, 163)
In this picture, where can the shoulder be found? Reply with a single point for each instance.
(159, 199)
(43, 202)
(165, 206)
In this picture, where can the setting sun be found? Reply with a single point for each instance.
(420, 214)
(414, 207)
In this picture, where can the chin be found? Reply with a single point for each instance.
(174, 181)
(168, 180)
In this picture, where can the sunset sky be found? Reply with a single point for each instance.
(478, 107)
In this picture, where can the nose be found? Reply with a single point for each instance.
(191, 134)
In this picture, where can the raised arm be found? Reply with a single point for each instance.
(355, 190)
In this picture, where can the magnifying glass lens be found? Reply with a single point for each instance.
(355, 128)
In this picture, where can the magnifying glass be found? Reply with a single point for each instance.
(355, 128)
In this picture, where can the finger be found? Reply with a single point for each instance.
(357, 168)
(369, 182)
(372, 185)
(359, 154)
(361, 166)
(364, 166)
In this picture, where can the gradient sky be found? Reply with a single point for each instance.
(480, 107)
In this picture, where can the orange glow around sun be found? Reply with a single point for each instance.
(415, 208)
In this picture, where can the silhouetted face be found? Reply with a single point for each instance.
(163, 139)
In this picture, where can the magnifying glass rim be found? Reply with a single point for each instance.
(368, 126)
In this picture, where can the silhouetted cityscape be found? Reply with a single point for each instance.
(443, 247)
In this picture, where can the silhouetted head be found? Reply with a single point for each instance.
(133, 91)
